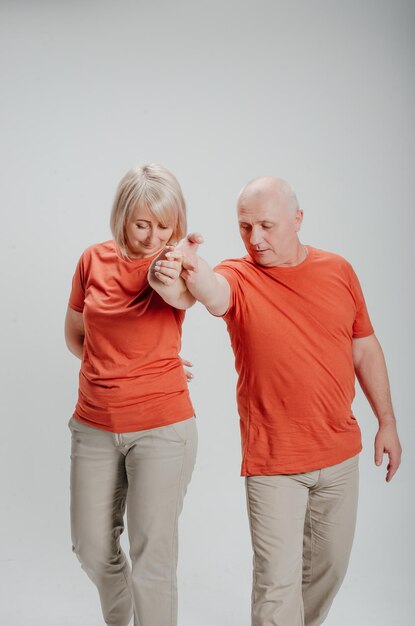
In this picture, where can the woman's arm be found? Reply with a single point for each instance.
(74, 332)
(168, 283)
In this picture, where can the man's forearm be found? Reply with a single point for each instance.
(209, 288)
(204, 284)
(370, 368)
(372, 374)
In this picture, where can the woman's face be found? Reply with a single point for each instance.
(144, 235)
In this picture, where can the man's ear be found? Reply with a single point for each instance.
(298, 219)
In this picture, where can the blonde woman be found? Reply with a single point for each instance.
(134, 436)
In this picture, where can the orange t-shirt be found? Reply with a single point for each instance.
(131, 376)
(291, 330)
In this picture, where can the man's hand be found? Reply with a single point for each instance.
(370, 367)
(186, 253)
(387, 442)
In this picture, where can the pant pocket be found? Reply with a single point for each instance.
(181, 429)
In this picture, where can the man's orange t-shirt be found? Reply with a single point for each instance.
(131, 376)
(291, 330)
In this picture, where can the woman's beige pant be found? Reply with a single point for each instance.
(147, 473)
(302, 529)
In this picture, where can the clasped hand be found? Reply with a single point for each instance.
(178, 261)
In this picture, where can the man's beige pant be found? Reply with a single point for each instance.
(146, 472)
(302, 529)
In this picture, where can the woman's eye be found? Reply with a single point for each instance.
(163, 227)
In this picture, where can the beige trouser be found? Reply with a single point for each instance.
(302, 529)
(146, 472)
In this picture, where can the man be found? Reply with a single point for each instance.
(300, 332)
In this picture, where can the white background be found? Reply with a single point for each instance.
(320, 93)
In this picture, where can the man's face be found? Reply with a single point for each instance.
(269, 229)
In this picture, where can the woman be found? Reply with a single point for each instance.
(133, 432)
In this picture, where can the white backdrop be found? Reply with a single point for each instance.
(320, 93)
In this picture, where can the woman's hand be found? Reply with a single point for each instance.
(189, 375)
(167, 266)
(164, 276)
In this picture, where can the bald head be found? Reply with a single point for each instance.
(269, 189)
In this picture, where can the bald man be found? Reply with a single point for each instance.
(300, 332)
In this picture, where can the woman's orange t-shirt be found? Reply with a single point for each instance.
(131, 376)
(291, 330)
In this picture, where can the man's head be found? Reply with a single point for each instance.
(269, 220)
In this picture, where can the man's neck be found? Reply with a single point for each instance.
(298, 256)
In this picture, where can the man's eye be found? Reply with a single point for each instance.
(244, 226)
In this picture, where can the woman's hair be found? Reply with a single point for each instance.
(155, 189)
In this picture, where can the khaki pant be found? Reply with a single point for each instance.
(147, 473)
(302, 529)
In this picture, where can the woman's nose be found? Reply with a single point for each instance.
(150, 236)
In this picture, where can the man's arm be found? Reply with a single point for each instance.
(370, 367)
(210, 288)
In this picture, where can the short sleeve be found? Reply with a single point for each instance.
(77, 296)
(362, 326)
(231, 275)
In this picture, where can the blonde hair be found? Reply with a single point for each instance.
(154, 188)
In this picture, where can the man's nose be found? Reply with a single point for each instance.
(255, 237)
